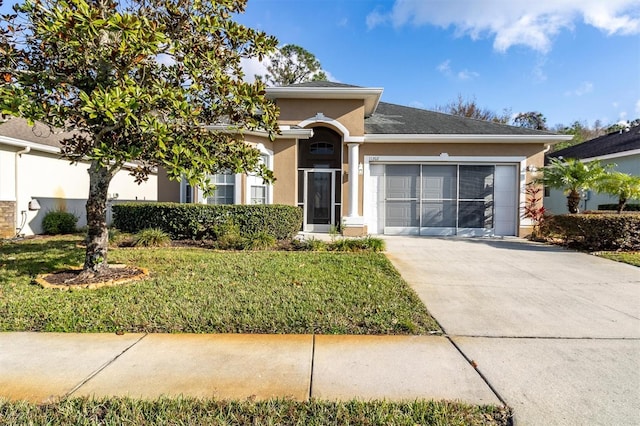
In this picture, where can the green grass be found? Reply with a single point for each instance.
(186, 411)
(205, 291)
(632, 258)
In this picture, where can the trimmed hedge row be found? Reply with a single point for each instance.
(596, 232)
(627, 208)
(201, 221)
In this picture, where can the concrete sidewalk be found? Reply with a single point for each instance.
(48, 366)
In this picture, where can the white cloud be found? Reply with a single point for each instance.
(343, 22)
(466, 74)
(513, 22)
(583, 89)
(445, 69)
(375, 18)
(253, 66)
(538, 71)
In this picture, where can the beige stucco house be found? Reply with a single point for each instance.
(34, 179)
(351, 161)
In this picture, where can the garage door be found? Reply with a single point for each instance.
(451, 199)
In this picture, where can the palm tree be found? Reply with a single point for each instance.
(572, 176)
(621, 185)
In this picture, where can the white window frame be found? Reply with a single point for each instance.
(267, 157)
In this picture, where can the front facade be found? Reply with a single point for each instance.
(354, 163)
(34, 180)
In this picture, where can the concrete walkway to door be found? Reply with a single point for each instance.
(556, 333)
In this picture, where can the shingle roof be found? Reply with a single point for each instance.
(397, 119)
(612, 143)
(18, 128)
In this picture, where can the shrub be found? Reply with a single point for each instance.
(596, 232)
(627, 208)
(59, 222)
(151, 237)
(358, 244)
(201, 221)
(261, 241)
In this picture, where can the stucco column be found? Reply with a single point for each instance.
(354, 156)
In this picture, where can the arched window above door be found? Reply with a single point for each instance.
(321, 151)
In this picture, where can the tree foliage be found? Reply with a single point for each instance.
(137, 81)
(531, 120)
(621, 185)
(293, 64)
(572, 176)
(469, 108)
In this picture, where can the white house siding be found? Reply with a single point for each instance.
(56, 184)
(556, 202)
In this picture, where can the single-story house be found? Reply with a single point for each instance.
(621, 148)
(34, 179)
(352, 162)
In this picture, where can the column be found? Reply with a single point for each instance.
(354, 156)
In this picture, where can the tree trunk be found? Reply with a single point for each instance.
(95, 260)
(621, 203)
(573, 201)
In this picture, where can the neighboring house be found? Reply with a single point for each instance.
(622, 149)
(32, 173)
(351, 161)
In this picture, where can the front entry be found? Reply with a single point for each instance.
(319, 179)
(319, 203)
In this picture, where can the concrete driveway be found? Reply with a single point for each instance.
(554, 332)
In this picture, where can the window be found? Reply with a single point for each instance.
(225, 189)
(321, 148)
(258, 194)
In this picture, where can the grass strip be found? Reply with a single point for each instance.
(183, 411)
(632, 258)
(194, 290)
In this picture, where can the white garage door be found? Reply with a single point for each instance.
(451, 199)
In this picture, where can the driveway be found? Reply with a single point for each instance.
(554, 332)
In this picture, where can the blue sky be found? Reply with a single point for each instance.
(569, 59)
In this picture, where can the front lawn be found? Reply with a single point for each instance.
(631, 257)
(186, 411)
(194, 290)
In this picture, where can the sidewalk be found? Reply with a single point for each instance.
(48, 366)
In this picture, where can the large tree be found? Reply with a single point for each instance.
(469, 108)
(136, 82)
(531, 120)
(293, 64)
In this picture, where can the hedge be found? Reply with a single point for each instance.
(614, 207)
(202, 221)
(59, 222)
(596, 232)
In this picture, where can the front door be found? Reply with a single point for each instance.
(319, 206)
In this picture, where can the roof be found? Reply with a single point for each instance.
(613, 143)
(393, 119)
(382, 118)
(19, 129)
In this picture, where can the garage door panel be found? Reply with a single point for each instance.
(402, 213)
(439, 213)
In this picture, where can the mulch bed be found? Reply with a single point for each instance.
(117, 274)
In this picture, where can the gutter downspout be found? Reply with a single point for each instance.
(18, 154)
